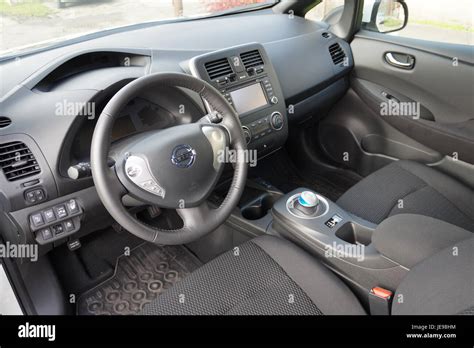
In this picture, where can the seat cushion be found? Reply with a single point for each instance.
(265, 276)
(411, 188)
(443, 284)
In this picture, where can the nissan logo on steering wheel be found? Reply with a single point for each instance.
(183, 156)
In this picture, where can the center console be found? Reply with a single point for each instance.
(245, 76)
(366, 255)
(341, 240)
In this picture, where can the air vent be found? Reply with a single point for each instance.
(251, 59)
(17, 161)
(4, 121)
(218, 68)
(337, 54)
(326, 35)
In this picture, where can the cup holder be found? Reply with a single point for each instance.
(259, 207)
(354, 234)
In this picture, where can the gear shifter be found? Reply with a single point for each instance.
(307, 203)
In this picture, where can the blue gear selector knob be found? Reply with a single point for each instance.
(307, 202)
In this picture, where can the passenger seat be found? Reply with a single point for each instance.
(407, 187)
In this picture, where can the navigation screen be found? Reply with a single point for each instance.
(248, 98)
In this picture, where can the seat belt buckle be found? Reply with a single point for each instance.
(380, 301)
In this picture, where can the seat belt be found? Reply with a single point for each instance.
(380, 301)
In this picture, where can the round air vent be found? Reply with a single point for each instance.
(5, 121)
(326, 35)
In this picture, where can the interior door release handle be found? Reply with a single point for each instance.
(394, 60)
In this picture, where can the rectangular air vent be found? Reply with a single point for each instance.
(218, 68)
(337, 53)
(17, 161)
(251, 59)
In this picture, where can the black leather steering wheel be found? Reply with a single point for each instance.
(176, 168)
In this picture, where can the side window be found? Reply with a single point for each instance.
(328, 10)
(433, 20)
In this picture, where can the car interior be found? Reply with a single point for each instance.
(248, 163)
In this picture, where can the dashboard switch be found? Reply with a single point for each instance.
(60, 211)
(58, 229)
(35, 196)
(72, 206)
(69, 225)
(49, 215)
(37, 219)
(46, 233)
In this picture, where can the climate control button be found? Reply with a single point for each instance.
(276, 121)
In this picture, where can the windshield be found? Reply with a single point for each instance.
(35, 23)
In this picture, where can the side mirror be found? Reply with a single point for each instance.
(386, 16)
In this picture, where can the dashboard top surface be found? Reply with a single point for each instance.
(184, 39)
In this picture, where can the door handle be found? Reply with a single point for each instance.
(391, 59)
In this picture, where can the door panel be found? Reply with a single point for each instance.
(435, 84)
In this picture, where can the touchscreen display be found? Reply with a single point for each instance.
(248, 98)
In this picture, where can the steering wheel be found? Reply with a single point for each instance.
(174, 168)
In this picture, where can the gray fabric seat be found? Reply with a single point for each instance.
(423, 191)
(443, 284)
(271, 276)
(265, 276)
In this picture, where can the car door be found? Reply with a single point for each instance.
(412, 91)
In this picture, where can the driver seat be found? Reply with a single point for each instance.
(264, 276)
(271, 276)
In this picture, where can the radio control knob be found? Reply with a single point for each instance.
(276, 121)
(274, 100)
(247, 134)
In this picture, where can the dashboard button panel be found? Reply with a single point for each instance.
(59, 221)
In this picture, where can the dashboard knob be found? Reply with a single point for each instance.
(274, 100)
(276, 121)
(247, 134)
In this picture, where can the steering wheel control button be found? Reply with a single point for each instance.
(138, 172)
(49, 215)
(60, 211)
(72, 206)
(183, 156)
(134, 171)
(37, 219)
(152, 187)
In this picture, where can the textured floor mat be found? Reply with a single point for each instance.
(139, 279)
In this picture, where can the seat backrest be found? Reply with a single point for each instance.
(443, 284)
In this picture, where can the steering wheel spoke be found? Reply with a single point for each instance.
(197, 217)
(116, 185)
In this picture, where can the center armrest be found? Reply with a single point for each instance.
(409, 239)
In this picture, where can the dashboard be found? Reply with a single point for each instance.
(276, 69)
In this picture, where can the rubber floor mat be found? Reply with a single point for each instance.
(138, 279)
